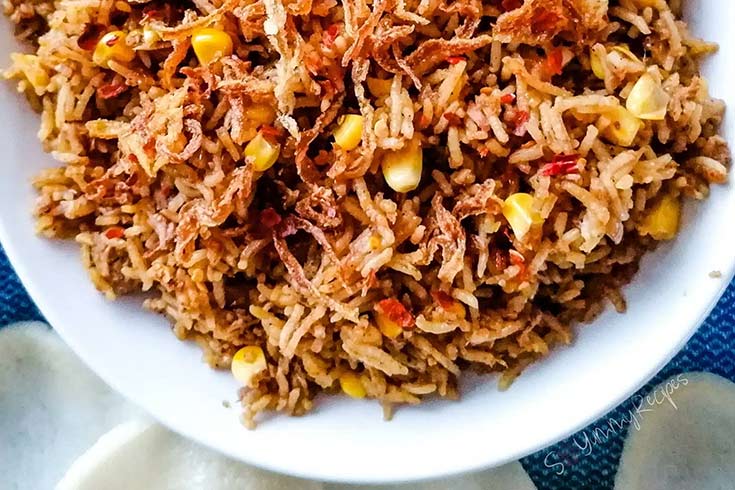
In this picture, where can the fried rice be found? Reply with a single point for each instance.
(539, 182)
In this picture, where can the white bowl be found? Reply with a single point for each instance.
(347, 440)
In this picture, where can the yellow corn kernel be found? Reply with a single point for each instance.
(352, 386)
(387, 327)
(379, 86)
(30, 65)
(375, 242)
(402, 168)
(150, 37)
(518, 210)
(247, 362)
(211, 44)
(647, 99)
(112, 47)
(262, 152)
(349, 133)
(597, 60)
(260, 114)
(662, 222)
(596, 63)
(623, 126)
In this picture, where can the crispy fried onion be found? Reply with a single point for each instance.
(355, 50)
(185, 29)
(540, 21)
(434, 51)
(305, 287)
(446, 233)
(347, 165)
(194, 128)
(320, 207)
(199, 213)
(305, 165)
(478, 199)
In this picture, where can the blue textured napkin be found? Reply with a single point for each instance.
(588, 460)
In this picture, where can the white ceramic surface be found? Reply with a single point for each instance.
(347, 440)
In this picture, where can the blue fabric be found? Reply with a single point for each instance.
(585, 461)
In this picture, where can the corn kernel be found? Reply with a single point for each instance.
(387, 327)
(402, 168)
(623, 126)
(31, 67)
(379, 86)
(352, 386)
(260, 114)
(647, 99)
(597, 64)
(211, 44)
(262, 152)
(662, 222)
(112, 47)
(597, 61)
(247, 362)
(349, 133)
(518, 210)
(150, 37)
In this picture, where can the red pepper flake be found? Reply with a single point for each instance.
(114, 232)
(544, 21)
(110, 90)
(454, 119)
(269, 132)
(113, 39)
(507, 98)
(424, 121)
(396, 312)
(483, 151)
(330, 35)
(510, 4)
(287, 227)
(519, 121)
(554, 62)
(270, 218)
(453, 60)
(92, 33)
(444, 300)
(517, 259)
(561, 165)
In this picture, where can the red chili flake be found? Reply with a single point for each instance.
(507, 98)
(483, 151)
(150, 12)
(444, 300)
(544, 21)
(149, 147)
(510, 4)
(424, 121)
(90, 36)
(112, 40)
(561, 165)
(270, 218)
(500, 259)
(454, 119)
(287, 227)
(554, 62)
(517, 259)
(110, 90)
(396, 312)
(519, 121)
(114, 232)
(453, 60)
(269, 132)
(330, 35)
